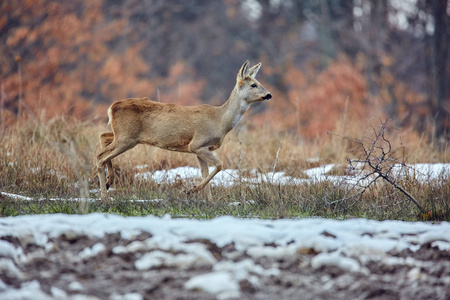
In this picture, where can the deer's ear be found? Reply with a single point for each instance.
(254, 70)
(243, 72)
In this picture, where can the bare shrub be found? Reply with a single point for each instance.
(376, 159)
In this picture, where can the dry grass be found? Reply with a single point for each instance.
(56, 159)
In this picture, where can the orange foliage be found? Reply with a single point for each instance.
(181, 87)
(50, 75)
(74, 67)
(65, 63)
(315, 101)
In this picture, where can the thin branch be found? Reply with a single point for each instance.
(276, 158)
(401, 189)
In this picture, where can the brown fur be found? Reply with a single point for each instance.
(192, 129)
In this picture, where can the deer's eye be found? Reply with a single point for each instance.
(254, 85)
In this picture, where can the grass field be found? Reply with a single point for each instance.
(53, 163)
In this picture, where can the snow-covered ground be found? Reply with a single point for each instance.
(230, 177)
(100, 256)
(257, 252)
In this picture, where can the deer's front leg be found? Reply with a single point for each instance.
(205, 172)
(207, 156)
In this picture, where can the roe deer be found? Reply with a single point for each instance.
(193, 129)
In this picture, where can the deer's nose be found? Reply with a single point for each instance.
(267, 97)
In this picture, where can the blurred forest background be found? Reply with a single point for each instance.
(323, 60)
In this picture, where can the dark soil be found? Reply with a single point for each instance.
(424, 274)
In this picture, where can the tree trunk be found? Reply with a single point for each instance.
(440, 42)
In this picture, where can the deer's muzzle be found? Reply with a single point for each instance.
(267, 97)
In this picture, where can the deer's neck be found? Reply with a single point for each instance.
(233, 110)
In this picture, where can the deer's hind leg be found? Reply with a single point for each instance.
(114, 149)
(106, 139)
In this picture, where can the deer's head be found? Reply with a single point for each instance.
(249, 88)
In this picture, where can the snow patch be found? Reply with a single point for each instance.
(130, 296)
(9, 251)
(91, 252)
(158, 258)
(8, 268)
(28, 290)
(219, 283)
(346, 264)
